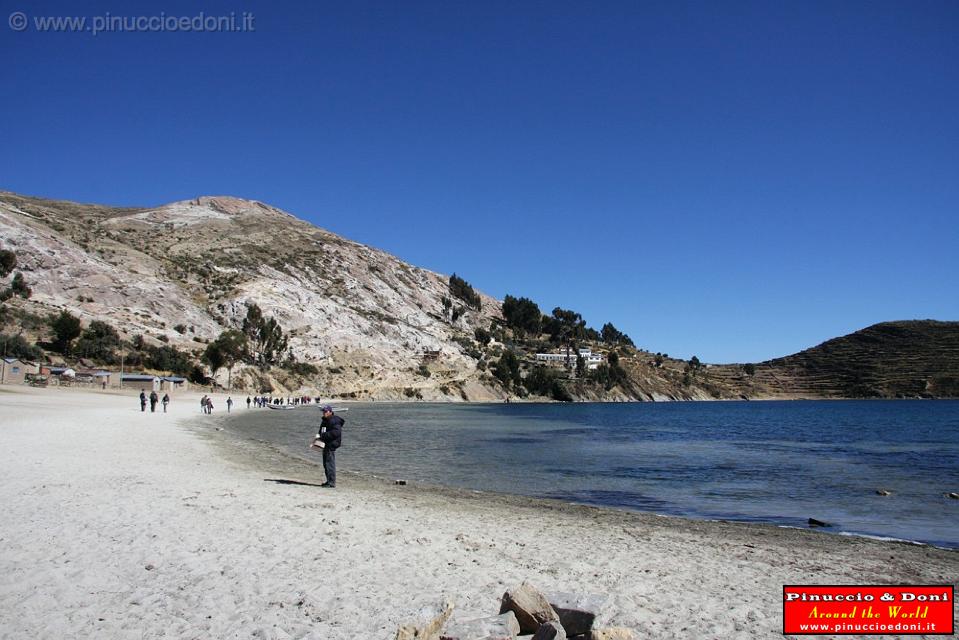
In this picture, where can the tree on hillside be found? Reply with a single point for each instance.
(15, 346)
(522, 315)
(168, 358)
(506, 369)
(214, 358)
(462, 289)
(749, 369)
(545, 382)
(692, 367)
(265, 337)
(98, 341)
(565, 325)
(8, 262)
(228, 349)
(66, 328)
(19, 287)
(612, 335)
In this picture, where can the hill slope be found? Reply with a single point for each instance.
(917, 358)
(361, 313)
(183, 272)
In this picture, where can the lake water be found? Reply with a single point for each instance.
(774, 462)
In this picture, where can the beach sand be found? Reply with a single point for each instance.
(119, 524)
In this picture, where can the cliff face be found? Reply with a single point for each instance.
(183, 272)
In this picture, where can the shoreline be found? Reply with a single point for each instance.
(124, 524)
(259, 455)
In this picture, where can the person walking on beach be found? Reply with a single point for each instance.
(209, 406)
(143, 400)
(248, 402)
(229, 404)
(331, 435)
(203, 404)
(154, 398)
(165, 401)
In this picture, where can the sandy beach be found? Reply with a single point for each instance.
(122, 524)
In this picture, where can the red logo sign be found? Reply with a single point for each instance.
(868, 610)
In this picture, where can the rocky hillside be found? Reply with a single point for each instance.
(376, 327)
(182, 272)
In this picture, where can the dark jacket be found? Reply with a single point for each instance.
(332, 436)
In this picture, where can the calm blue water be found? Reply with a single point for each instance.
(776, 462)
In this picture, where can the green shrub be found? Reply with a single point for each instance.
(303, 369)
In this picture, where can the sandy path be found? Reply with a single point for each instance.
(118, 524)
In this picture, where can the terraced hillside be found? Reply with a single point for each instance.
(906, 359)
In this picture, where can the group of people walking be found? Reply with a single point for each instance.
(262, 401)
(153, 399)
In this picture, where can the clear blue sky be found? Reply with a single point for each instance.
(735, 180)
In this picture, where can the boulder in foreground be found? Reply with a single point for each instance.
(550, 631)
(577, 611)
(531, 607)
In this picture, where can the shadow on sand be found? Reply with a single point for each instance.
(284, 481)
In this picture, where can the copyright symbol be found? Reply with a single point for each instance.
(18, 21)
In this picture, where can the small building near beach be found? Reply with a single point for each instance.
(172, 383)
(59, 374)
(95, 377)
(15, 371)
(141, 379)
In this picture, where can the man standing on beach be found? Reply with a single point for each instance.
(154, 398)
(143, 400)
(331, 435)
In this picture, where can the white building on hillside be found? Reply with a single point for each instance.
(592, 360)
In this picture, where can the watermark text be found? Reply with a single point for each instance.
(160, 23)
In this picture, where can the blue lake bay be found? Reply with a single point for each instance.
(777, 462)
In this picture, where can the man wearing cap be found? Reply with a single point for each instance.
(331, 435)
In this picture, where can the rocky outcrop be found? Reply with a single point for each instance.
(183, 272)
